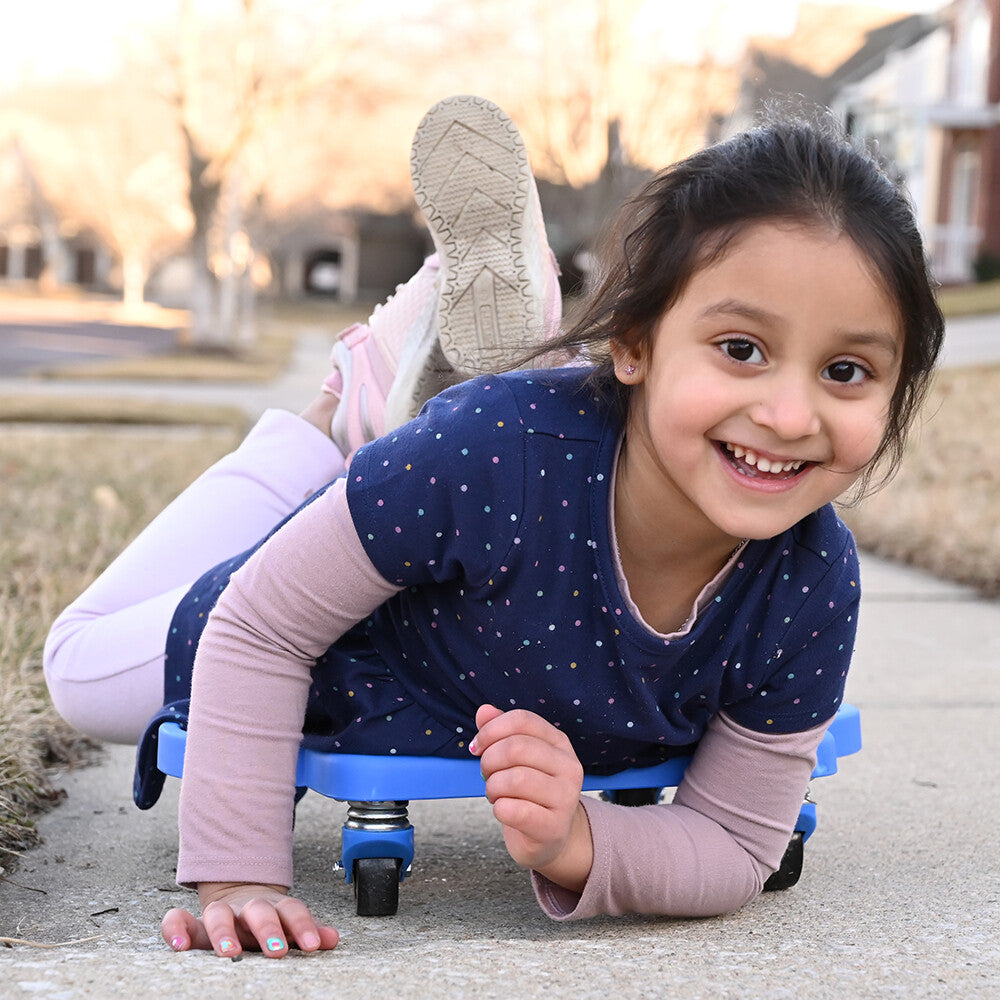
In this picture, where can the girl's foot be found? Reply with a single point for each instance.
(384, 370)
(500, 282)
(489, 292)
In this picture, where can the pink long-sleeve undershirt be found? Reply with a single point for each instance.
(706, 853)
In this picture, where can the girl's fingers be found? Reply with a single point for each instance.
(263, 923)
(515, 723)
(221, 928)
(486, 713)
(521, 781)
(533, 754)
(183, 931)
(272, 925)
(301, 929)
(532, 820)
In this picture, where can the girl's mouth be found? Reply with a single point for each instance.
(749, 463)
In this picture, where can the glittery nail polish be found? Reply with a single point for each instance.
(177, 943)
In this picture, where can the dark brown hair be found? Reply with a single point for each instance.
(791, 169)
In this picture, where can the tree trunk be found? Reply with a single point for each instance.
(133, 279)
(204, 197)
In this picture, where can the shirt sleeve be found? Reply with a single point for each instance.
(308, 584)
(711, 849)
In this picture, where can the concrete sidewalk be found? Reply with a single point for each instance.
(900, 896)
(296, 386)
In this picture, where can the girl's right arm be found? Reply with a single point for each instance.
(282, 610)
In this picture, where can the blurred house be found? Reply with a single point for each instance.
(926, 90)
(71, 198)
(933, 106)
(350, 255)
(37, 244)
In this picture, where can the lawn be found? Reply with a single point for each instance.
(69, 501)
(942, 510)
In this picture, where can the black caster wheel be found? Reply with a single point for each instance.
(376, 886)
(634, 796)
(791, 865)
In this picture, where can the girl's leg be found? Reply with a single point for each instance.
(104, 654)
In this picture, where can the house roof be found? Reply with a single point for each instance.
(798, 65)
(879, 43)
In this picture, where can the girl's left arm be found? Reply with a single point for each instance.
(710, 850)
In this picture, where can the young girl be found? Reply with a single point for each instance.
(593, 567)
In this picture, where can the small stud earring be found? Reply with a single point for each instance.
(630, 370)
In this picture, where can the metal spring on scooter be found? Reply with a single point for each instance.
(377, 815)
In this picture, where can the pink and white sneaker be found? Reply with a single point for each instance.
(500, 282)
(488, 294)
(384, 370)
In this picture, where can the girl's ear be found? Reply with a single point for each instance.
(629, 362)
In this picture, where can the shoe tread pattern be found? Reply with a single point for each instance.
(472, 180)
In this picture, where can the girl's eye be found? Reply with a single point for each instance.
(742, 350)
(846, 372)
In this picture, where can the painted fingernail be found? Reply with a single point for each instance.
(473, 747)
(177, 943)
(275, 944)
(226, 945)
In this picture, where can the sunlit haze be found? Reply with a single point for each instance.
(48, 39)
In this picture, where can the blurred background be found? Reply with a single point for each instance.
(213, 154)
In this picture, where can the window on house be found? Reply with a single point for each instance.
(85, 266)
(971, 60)
(33, 262)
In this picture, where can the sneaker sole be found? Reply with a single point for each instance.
(473, 183)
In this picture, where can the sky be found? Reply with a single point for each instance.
(46, 39)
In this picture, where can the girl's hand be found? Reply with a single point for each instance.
(238, 915)
(533, 780)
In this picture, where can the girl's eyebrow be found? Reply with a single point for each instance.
(736, 307)
(880, 340)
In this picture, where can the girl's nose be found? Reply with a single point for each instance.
(788, 408)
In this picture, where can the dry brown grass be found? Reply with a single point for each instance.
(25, 408)
(70, 499)
(942, 511)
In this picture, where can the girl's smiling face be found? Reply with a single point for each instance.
(765, 391)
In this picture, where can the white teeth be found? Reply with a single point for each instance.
(764, 464)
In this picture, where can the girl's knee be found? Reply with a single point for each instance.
(102, 698)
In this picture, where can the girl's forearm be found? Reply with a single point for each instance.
(708, 852)
(251, 683)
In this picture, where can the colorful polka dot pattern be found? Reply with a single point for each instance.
(491, 511)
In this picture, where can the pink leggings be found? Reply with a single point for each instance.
(104, 654)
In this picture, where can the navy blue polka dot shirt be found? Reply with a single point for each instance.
(491, 510)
